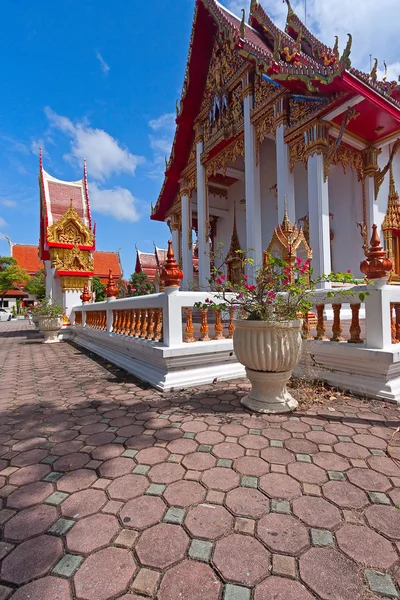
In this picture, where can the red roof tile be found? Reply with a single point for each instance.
(104, 261)
(60, 197)
(27, 257)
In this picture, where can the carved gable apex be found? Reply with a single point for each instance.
(70, 229)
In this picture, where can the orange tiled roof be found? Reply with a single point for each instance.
(104, 261)
(27, 257)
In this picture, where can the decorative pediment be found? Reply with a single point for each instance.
(75, 259)
(69, 229)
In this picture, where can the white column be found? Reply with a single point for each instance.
(49, 278)
(318, 210)
(176, 242)
(71, 299)
(285, 179)
(202, 219)
(187, 256)
(252, 184)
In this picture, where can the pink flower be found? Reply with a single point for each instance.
(348, 271)
(240, 296)
(207, 300)
(298, 261)
(285, 281)
(286, 271)
(246, 277)
(222, 278)
(250, 288)
(271, 295)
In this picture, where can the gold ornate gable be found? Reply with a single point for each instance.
(70, 229)
(391, 229)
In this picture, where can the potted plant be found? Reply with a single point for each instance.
(49, 315)
(267, 338)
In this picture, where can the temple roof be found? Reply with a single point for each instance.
(294, 59)
(146, 262)
(27, 257)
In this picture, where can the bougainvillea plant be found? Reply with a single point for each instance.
(277, 292)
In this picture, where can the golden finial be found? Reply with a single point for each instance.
(374, 70)
(254, 5)
(385, 75)
(290, 9)
(243, 24)
(346, 54)
(286, 224)
(392, 186)
(336, 48)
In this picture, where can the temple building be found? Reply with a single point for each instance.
(269, 118)
(67, 246)
(152, 263)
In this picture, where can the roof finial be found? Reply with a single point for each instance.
(290, 9)
(374, 70)
(111, 289)
(336, 48)
(392, 186)
(286, 224)
(376, 265)
(243, 24)
(385, 74)
(345, 60)
(171, 275)
(40, 158)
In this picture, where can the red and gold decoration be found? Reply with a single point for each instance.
(85, 296)
(111, 289)
(171, 275)
(376, 265)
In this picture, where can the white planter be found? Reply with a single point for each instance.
(35, 321)
(270, 352)
(50, 327)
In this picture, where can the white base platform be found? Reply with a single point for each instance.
(366, 372)
(164, 368)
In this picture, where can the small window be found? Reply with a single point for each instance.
(5, 303)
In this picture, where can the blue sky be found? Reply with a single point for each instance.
(99, 79)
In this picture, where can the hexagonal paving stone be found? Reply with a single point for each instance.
(321, 437)
(47, 588)
(107, 452)
(105, 574)
(383, 465)
(307, 473)
(84, 503)
(336, 578)
(253, 442)
(168, 434)
(75, 481)
(151, 456)
(127, 487)
(385, 519)
(71, 462)
(299, 446)
(182, 446)
(99, 439)
(296, 427)
(344, 494)
(142, 512)
(350, 450)
(66, 448)
(184, 493)
(221, 479)
(277, 485)
(317, 512)
(32, 559)
(29, 522)
(283, 534)
(275, 433)
(234, 430)
(228, 450)
(210, 438)
(190, 580)
(331, 461)
(208, 521)
(277, 456)
(92, 533)
(29, 474)
(162, 545)
(366, 547)
(166, 473)
(241, 559)
(339, 429)
(368, 480)
(199, 461)
(369, 441)
(251, 465)
(28, 458)
(29, 494)
(116, 467)
(247, 502)
(194, 427)
(279, 588)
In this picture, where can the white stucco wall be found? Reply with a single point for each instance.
(269, 205)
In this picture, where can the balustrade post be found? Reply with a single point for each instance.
(143, 328)
(158, 324)
(150, 324)
(189, 331)
(218, 335)
(336, 326)
(83, 318)
(109, 320)
(231, 327)
(306, 327)
(321, 329)
(137, 322)
(355, 329)
(204, 337)
(131, 332)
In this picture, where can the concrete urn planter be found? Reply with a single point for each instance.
(269, 351)
(35, 321)
(50, 327)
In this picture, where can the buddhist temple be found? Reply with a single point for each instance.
(152, 263)
(267, 114)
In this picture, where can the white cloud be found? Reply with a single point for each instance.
(117, 202)
(104, 66)
(8, 203)
(36, 145)
(13, 144)
(105, 156)
(161, 143)
(372, 24)
(2, 236)
(3, 223)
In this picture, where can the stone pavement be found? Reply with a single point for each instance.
(111, 490)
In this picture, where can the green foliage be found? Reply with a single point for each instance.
(47, 308)
(99, 289)
(11, 276)
(36, 286)
(141, 286)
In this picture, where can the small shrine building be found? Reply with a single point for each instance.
(269, 116)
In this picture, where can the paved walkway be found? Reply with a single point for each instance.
(111, 490)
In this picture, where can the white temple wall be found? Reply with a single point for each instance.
(269, 204)
(346, 205)
(300, 191)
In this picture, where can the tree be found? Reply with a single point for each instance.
(36, 286)
(11, 276)
(99, 289)
(141, 286)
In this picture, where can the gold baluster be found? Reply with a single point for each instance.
(143, 328)
(137, 322)
(218, 326)
(231, 326)
(204, 325)
(128, 322)
(150, 324)
(158, 324)
(320, 323)
(104, 320)
(124, 322)
(336, 326)
(306, 327)
(189, 331)
(355, 329)
(131, 331)
(114, 324)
